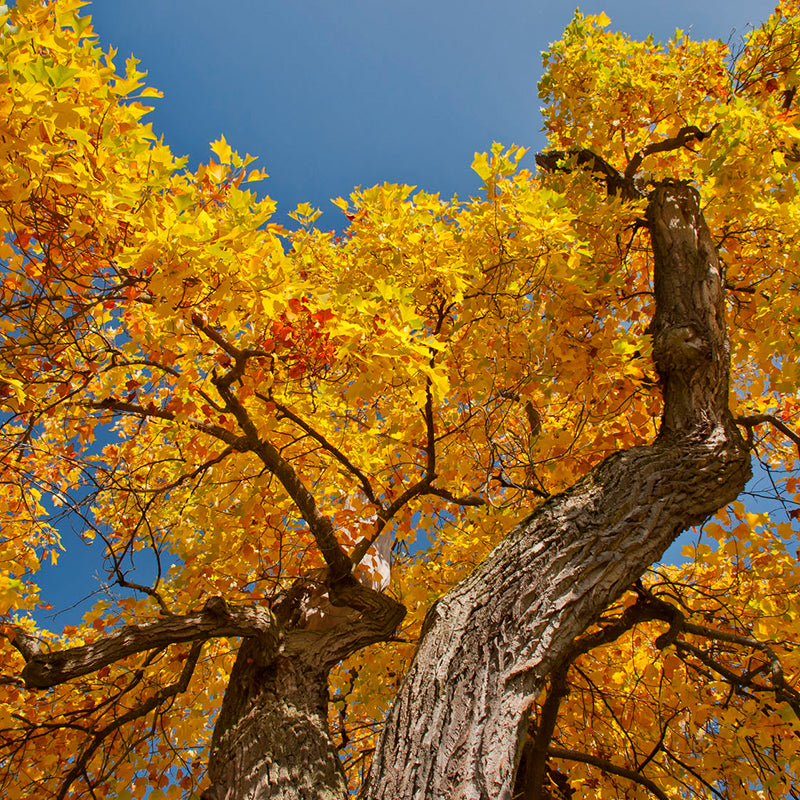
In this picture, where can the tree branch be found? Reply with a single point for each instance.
(123, 407)
(618, 183)
(366, 486)
(688, 133)
(217, 618)
(502, 481)
(422, 486)
(758, 419)
(446, 494)
(561, 160)
(537, 747)
(607, 766)
(782, 691)
(82, 761)
(29, 646)
(646, 608)
(320, 525)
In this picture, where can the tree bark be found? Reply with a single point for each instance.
(271, 738)
(487, 647)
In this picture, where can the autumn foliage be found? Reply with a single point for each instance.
(243, 405)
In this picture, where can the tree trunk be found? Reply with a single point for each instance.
(271, 739)
(487, 647)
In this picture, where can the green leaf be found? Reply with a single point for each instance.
(60, 75)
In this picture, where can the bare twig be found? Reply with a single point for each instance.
(758, 419)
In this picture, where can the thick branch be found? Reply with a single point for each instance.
(690, 342)
(29, 646)
(537, 747)
(618, 183)
(562, 160)
(353, 616)
(645, 609)
(689, 133)
(320, 526)
(217, 618)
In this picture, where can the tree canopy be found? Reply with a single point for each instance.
(263, 412)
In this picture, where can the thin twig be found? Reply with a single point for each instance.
(758, 419)
(607, 766)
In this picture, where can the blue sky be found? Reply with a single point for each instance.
(331, 94)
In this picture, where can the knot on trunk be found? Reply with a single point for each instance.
(681, 347)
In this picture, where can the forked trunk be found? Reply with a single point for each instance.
(487, 647)
(271, 739)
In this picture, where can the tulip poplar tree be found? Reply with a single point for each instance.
(522, 399)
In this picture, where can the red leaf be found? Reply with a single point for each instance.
(323, 316)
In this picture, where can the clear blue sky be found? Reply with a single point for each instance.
(331, 94)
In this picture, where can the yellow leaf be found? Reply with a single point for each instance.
(256, 175)
(222, 150)
(480, 164)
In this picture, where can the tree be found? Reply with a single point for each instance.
(261, 412)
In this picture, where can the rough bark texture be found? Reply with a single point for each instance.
(271, 739)
(488, 646)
